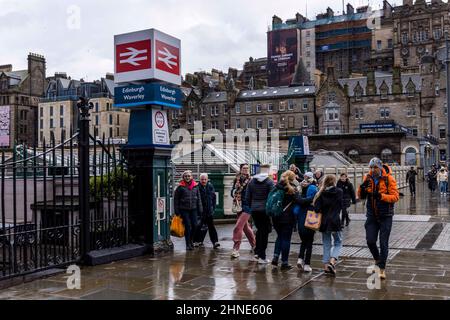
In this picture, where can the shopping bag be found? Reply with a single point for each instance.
(313, 220)
(177, 227)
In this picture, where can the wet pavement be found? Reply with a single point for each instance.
(419, 268)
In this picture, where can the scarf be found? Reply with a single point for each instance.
(190, 186)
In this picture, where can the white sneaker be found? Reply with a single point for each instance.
(263, 261)
(235, 254)
(307, 268)
(255, 258)
(300, 264)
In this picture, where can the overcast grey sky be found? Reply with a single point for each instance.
(214, 34)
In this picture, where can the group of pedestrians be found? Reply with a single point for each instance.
(438, 176)
(288, 205)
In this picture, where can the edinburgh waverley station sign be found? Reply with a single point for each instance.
(147, 55)
(148, 94)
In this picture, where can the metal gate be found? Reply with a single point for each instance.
(59, 202)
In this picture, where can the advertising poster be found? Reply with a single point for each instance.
(283, 54)
(4, 126)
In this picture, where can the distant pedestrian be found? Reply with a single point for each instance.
(432, 178)
(349, 197)
(308, 191)
(255, 202)
(442, 178)
(380, 189)
(319, 176)
(298, 173)
(411, 180)
(242, 226)
(208, 199)
(188, 205)
(284, 223)
(329, 201)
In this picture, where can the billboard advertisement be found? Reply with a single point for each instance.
(283, 54)
(4, 126)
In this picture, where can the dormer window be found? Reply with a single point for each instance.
(410, 88)
(384, 90)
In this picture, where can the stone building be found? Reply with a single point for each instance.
(20, 91)
(289, 109)
(58, 112)
(254, 73)
(399, 117)
(418, 29)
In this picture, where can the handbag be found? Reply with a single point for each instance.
(177, 227)
(313, 220)
(236, 207)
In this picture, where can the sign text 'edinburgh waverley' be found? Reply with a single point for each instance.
(147, 55)
(147, 94)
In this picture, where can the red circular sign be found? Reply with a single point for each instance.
(159, 119)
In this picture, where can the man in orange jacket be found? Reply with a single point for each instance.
(380, 191)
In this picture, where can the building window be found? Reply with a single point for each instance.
(291, 122)
(386, 155)
(305, 105)
(405, 38)
(359, 113)
(61, 122)
(442, 131)
(331, 96)
(110, 132)
(212, 111)
(390, 44)
(214, 124)
(190, 104)
(189, 119)
(118, 120)
(270, 123)
(41, 124)
(41, 111)
(61, 110)
(111, 119)
(437, 33)
(96, 107)
(282, 122)
(385, 112)
(248, 123)
(436, 90)
(410, 157)
(415, 132)
(259, 124)
(270, 107)
(258, 108)
(332, 114)
(203, 111)
(308, 54)
(411, 112)
(238, 123)
(51, 111)
(305, 121)
(379, 44)
(117, 132)
(51, 123)
(225, 125)
(291, 105)
(248, 108)
(282, 106)
(96, 120)
(238, 108)
(107, 106)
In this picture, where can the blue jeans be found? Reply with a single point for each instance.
(374, 227)
(190, 224)
(327, 252)
(443, 186)
(283, 242)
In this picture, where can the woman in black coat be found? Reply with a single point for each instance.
(329, 201)
(348, 195)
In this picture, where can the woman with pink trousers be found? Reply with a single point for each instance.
(242, 225)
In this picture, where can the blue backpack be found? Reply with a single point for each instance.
(274, 203)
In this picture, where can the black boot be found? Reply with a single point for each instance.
(347, 221)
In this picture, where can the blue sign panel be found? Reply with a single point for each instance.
(377, 126)
(146, 94)
(297, 143)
